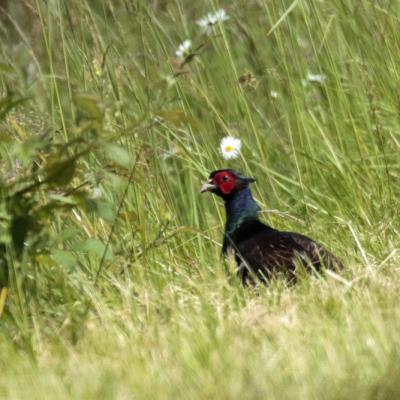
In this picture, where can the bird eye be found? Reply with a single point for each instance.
(225, 178)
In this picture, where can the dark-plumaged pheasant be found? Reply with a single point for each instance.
(261, 251)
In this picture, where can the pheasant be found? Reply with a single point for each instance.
(261, 251)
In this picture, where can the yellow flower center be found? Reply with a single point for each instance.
(229, 148)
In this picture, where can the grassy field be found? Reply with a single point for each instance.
(116, 285)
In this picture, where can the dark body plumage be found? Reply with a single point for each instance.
(261, 251)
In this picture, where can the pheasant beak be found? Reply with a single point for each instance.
(208, 186)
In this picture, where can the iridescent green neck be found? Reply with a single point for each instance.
(239, 208)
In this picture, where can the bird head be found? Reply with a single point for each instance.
(225, 182)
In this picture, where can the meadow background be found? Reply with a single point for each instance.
(116, 287)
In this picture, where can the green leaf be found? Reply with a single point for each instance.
(118, 155)
(69, 200)
(5, 137)
(64, 258)
(7, 68)
(95, 246)
(7, 103)
(106, 210)
(102, 208)
(177, 117)
(67, 234)
(61, 172)
(45, 260)
(90, 106)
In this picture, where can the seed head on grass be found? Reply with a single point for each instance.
(98, 70)
(248, 80)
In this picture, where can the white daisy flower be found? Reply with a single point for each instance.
(184, 48)
(274, 94)
(221, 15)
(230, 147)
(204, 23)
(211, 19)
(316, 78)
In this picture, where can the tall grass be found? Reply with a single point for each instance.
(122, 292)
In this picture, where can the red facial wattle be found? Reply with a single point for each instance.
(225, 181)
